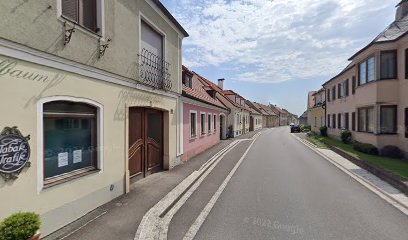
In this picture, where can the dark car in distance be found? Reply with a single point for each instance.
(294, 128)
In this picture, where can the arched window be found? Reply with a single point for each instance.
(70, 140)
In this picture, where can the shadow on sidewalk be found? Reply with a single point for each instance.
(120, 218)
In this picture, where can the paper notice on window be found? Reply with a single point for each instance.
(63, 159)
(77, 156)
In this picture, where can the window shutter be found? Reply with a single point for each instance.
(334, 93)
(334, 120)
(89, 14)
(328, 120)
(328, 96)
(70, 9)
(347, 87)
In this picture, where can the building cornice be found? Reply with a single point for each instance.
(27, 54)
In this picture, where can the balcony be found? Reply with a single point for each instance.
(154, 71)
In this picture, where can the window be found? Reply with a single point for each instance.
(366, 120)
(388, 119)
(328, 96)
(339, 121)
(70, 140)
(353, 121)
(406, 63)
(215, 123)
(329, 120)
(367, 71)
(334, 93)
(346, 121)
(353, 85)
(406, 122)
(209, 123)
(388, 65)
(81, 12)
(202, 123)
(187, 80)
(193, 124)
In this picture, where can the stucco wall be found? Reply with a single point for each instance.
(40, 27)
(196, 145)
(64, 203)
(318, 120)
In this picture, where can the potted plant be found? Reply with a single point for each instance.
(21, 226)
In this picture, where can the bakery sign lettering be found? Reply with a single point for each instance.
(14, 153)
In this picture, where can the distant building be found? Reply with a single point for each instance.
(317, 113)
(303, 118)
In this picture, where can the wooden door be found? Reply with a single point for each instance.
(251, 123)
(145, 141)
(154, 141)
(136, 141)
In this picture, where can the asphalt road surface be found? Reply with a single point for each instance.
(283, 190)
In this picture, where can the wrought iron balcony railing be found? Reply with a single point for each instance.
(154, 71)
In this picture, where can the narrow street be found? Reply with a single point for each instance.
(283, 190)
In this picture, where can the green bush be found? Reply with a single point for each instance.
(346, 137)
(366, 148)
(19, 226)
(306, 128)
(323, 131)
(392, 152)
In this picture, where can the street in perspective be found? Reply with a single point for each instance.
(216, 119)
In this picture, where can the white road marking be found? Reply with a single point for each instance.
(203, 215)
(399, 204)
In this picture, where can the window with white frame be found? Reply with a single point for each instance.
(85, 13)
(367, 71)
(366, 119)
(343, 121)
(193, 124)
(202, 123)
(209, 122)
(70, 140)
(215, 122)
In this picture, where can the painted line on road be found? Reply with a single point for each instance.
(192, 232)
(370, 186)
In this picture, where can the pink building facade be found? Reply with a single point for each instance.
(204, 117)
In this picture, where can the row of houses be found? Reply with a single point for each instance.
(369, 96)
(212, 113)
(94, 96)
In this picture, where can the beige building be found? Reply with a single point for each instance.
(317, 111)
(369, 96)
(77, 76)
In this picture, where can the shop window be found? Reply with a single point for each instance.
(70, 139)
(388, 65)
(388, 119)
(193, 124)
(82, 12)
(366, 120)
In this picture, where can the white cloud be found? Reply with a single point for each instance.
(280, 40)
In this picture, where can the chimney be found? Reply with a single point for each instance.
(402, 10)
(221, 83)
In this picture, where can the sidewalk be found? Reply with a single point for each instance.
(369, 180)
(120, 218)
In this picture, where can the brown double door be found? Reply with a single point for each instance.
(145, 141)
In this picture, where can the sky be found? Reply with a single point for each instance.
(276, 51)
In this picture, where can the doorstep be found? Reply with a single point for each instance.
(120, 218)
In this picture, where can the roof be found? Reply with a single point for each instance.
(267, 110)
(393, 32)
(254, 110)
(319, 91)
(197, 92)
(304, 115)
(171, 18)
(221, 92)
(350, 66)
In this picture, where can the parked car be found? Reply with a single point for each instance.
(292, 124)
(295, 128)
